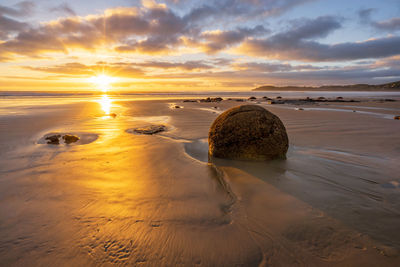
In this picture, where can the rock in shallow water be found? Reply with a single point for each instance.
(151, 129)
(248, 132)
(69, 138)
(53, 139)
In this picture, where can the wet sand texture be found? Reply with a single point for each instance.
(155, 200)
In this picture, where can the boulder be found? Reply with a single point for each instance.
(248, 132)
(69, 138)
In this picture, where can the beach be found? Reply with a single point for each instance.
(117, 197)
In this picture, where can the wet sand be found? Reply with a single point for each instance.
(119, 198)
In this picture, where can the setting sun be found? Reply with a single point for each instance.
(103, 81)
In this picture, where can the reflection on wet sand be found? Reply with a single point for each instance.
(105, 103)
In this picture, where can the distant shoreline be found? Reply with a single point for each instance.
(390, 87)
(317, 89)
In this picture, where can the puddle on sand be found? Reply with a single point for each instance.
(354, 188)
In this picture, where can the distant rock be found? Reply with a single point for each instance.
(248, 132)
(69, 138)
(252, 98)
(396, 117)
(189, 100)
(113, 115)
(53, 139)
(211, 99)
(239, 100)
(150, 129)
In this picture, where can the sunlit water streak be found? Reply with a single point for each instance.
(105, 103)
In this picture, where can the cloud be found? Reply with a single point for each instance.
(186, 66)
(365, 15)
(79, 69)
(241, 9)
(149, 29)
(8, 24)
(215, 41)
(63, 8)
(298, 44)
(265, 67)
(20, 9)
(124, 69)
(389, 25)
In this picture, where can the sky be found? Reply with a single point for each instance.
(151, 45)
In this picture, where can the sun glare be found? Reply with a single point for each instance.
(102, 81)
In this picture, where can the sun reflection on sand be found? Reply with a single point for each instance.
(105, 103)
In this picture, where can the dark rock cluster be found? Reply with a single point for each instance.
(55, 139)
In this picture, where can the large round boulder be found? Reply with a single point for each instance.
(248, 132)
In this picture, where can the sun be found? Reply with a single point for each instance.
(103, 81)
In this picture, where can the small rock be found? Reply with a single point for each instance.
(278, 97)
(396, 117)
(177, 107)
(339, 98)
(388, 251)
(69, 138)
(299, 108)
(239, 100)
(53, 139)
(151, 129)
(189, 100)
